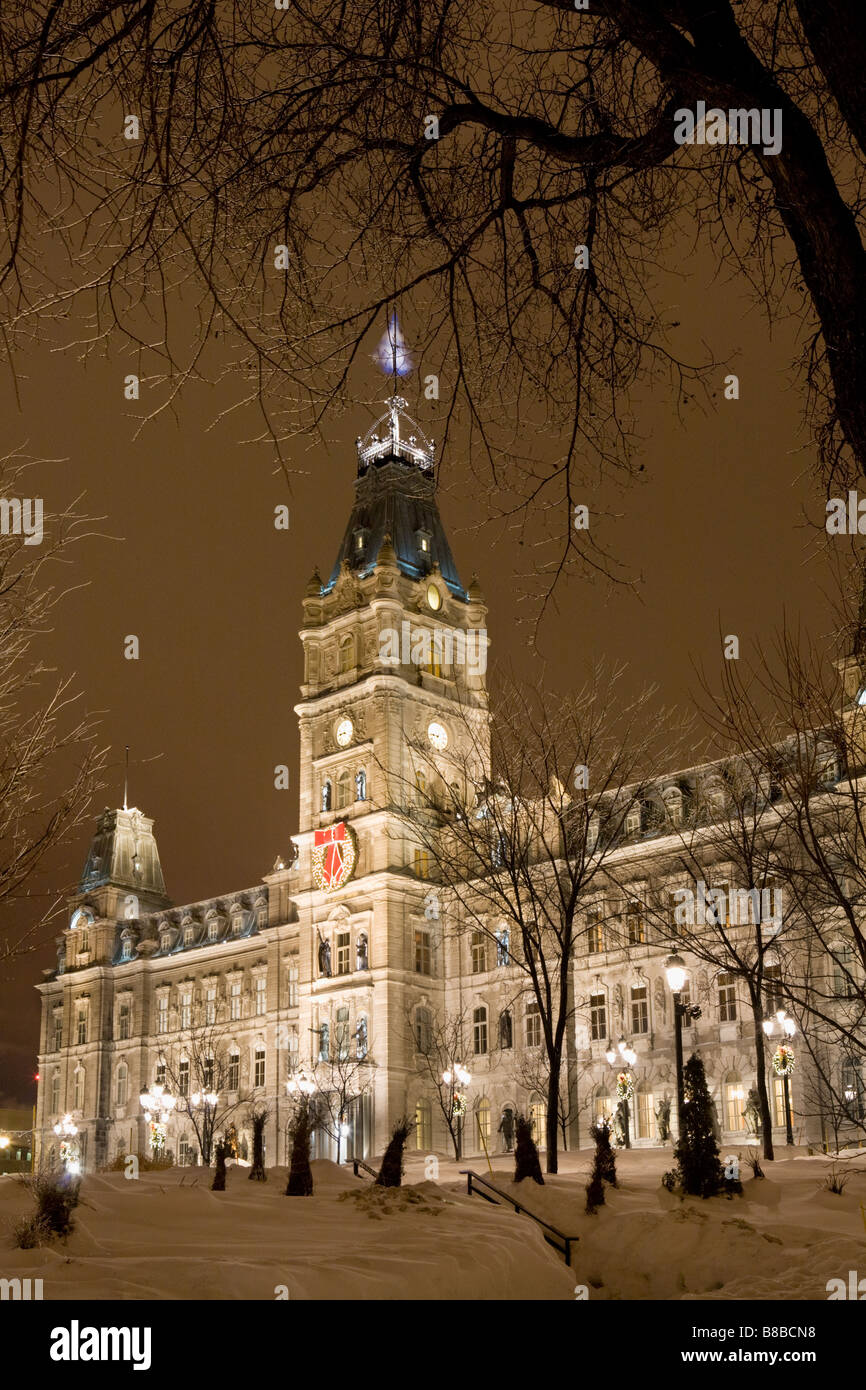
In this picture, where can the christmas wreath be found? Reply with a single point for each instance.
(625, 1085)
(783, 1060)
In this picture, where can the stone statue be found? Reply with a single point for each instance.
(506, 1124)
(361, 1038)
(502, 946)
(361, 952)
(324, 956)
(619, 1006)
(505, 1033)
(661, 997)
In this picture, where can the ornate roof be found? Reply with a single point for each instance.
(395, 496)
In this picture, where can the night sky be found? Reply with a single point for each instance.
(191, 563)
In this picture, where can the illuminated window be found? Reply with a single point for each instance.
(344, 789)
(183, 1078)
(635, 925)
(646, 1117)
(479, 1031)
(602, 1109)
(779, 1101)
(81, 1030)
(482, 1123)
(210, 1006)
(259, 1069)
(735, 1098)
(261, 996)
(423, 1126)
(594, 931)
(538, 1121)
(186, 1011)
(162, 1014)
(421, 863)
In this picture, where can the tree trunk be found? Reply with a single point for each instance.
(552, 1125)
(761, 1071)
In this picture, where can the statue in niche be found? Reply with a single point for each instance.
(361, 962)
(505, 1029)
(324, 957)
(619, 1006)
(361, 1038)
(661, 998)
(502, 946)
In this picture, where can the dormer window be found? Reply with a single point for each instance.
(188, 935)
(237, 923)
(633, 821)
(359, 540)
(213, 929)
(673, 799)
(165, 941)
(424, 541)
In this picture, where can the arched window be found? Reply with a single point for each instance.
(505, 1029)
(78, 1089)
(423, 1030)
(533, 1025)
(602, 1108)
(423, 1125)
(735, 1101)
(646, 1118)
(327, 795)
(344, 789)
(673, 799)
(482, 1123)
(538, 1121)
(361, 785)
(121, 1084)
(233, 1074)
(347, 654)
(479, 1031)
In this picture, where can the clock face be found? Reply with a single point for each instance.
(434, 598)
(345, 729)
(437, 736)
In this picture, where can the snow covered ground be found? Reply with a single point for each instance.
(167, 1236)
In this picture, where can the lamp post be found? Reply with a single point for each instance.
(456, 1078)
(300, 1086)
(157, 1101)
(783, 1062)
(67, 1132)
(629, 1056)
(206, 1102)
(675, 970)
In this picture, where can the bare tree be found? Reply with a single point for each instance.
(50, 765)
(438, 1039)
(197, 1070)
(516, 851)
(342, 1079)
(512, 177)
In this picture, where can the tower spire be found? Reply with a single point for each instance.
(126, 780)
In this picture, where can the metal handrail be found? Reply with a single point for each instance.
(555, 1235)
(359, 1163)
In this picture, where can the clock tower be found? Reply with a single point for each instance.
(395, 657)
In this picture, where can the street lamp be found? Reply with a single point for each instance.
(625, 1081)
(67, 1131)
(675, 970)
(457, 1078)
(157, 1101)
(783, 1062)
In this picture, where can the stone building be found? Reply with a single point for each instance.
(337, 961)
